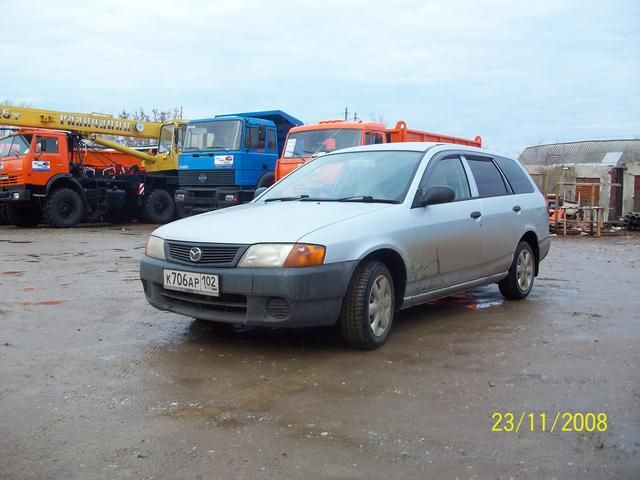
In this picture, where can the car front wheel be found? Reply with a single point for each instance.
(519, 281)
(368, 309)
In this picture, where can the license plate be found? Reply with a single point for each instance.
(202, 283)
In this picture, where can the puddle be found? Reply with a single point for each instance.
(14, 274)
(197, 411)
(473, 300)
(45, 302)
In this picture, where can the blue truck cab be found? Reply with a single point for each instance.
(225, 158)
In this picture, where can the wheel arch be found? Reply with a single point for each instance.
(532, 239)
(396, 265)
(62, 180)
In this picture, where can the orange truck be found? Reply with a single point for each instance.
(54, 176)
(308, 141)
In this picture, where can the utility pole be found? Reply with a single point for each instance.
(346, 114)
(355, 117)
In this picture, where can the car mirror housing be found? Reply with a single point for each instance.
(433, 196)
(439, 194)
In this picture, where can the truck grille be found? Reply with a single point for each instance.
(220, 255)
(8, 180)
(206, 177)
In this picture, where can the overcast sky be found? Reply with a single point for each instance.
(519, 75)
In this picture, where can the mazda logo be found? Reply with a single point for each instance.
(203, 177)
(195, 254)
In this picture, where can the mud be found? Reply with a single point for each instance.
(94, 383)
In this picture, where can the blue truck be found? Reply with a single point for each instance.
(227, 157)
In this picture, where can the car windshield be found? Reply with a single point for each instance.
(15, 145)
(213, 135)
(308, 142)
(366, 176)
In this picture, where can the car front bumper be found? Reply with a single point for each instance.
(8, 194)
(287, 297)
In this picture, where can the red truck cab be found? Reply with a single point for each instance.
(309, 141)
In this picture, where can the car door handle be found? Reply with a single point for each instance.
(517, 208)
(475, 215)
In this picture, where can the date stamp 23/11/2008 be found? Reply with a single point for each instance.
(545, 422)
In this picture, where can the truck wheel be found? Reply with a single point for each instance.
(24, 216)
(4, 216)
(158, 207)
(519, 281)
(368, 309)
(64, 208)
(266, 180)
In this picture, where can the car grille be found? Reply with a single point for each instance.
(219, 255)
(206, 177)
(232, 303)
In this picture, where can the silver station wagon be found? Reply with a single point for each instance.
(353, 237)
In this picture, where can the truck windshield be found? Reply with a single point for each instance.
(213, 135)
(15, 145)
(308, 142)
(369, 176)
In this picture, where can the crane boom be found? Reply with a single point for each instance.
(82, 123)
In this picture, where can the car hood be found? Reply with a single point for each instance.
(264, 222)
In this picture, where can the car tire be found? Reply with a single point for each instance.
(64, 208)
(519, 281)
(368, 309)
(159, 207)
(24, 216)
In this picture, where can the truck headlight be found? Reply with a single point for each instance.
(283, 255)
(155, 248)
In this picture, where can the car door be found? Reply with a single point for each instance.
(448, 237)
(500, 219)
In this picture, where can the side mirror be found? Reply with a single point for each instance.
(433, 196)
(259, 191)
(262, 132)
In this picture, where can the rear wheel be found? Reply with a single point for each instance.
(158, 207)
(266, 180)
(64, 208)
(519, 281)
(24, 216)
(368, 310)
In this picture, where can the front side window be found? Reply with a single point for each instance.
(307, 143)
(359, 176)
(48, 145)
(213, 135)
(449, 172)
(166, 138)
(253, 140)
(488, 178)
(372, 138)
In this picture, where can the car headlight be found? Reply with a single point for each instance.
(283, 255)
(155, 248)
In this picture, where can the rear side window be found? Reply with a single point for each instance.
(271, 139)
(488, 177)
(518, 180)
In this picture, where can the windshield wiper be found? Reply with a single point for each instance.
(286, 199)
(366, 199)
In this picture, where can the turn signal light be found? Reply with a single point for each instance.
(303, 255)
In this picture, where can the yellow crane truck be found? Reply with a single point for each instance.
(48, 170)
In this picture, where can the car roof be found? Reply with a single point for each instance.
(412, 147)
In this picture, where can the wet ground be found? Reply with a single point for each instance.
(94, 383)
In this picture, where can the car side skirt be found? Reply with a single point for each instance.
(445, 292)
